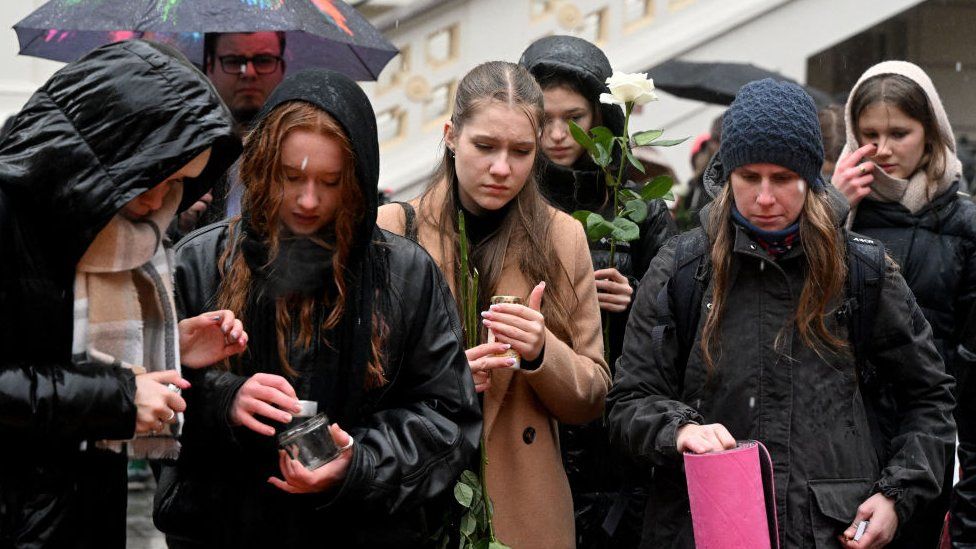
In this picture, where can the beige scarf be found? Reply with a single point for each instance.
(917, 191)
(124, 310)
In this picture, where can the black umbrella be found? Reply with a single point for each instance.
(321, 33)
(715, 82)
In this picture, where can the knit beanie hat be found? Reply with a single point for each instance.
(772, 122)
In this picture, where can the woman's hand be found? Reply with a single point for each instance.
(265, 395)
(880, 511)
(613, 290)
(211, 337)
(156, 403)
(852, 177)
(482, 362)
(701, 439)
(299, 480)
(524, 328)
(187, 221)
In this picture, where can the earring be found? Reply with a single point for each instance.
(450, 152)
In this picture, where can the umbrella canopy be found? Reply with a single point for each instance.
(715, 82)
(320, 33)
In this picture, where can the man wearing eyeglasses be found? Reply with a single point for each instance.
(244, 67)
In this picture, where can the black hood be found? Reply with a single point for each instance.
(345, 101)
(577, 58)
(582, 185)
(713, 179)
(367, 272)
(108, 127)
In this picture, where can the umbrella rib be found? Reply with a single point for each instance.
(362, 61)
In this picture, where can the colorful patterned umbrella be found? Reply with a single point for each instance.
(321, 33)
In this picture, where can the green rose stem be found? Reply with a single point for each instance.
(629, 205)
(484, 492)
(624, 142)
(612, 185)
(472, 332)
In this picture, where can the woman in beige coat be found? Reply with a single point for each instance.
(523, 247)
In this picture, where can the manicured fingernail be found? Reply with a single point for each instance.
(493, 307)
(486, 314)
(486, 322)
(287, 418)
(215, 318)
(507, 346)
(511, 362)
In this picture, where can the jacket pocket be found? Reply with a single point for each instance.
(833, 505)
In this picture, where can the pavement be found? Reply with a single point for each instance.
(140, 532)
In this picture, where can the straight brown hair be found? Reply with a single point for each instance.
(525, 232)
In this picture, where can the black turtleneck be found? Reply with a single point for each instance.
(479, 228)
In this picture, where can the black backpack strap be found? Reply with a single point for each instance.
(865, 276)
(693, 269)
(410, 225)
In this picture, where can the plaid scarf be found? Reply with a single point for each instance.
(124, 313)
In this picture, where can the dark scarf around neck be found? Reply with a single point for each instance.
(776, 243)
(303, 268)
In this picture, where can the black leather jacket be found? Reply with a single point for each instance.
(416, 434)
(101, 131)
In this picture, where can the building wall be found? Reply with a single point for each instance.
(20, 75)
(782, 35)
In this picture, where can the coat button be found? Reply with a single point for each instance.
(528, 435)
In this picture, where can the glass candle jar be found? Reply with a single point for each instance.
(310, 442)
(511, 353)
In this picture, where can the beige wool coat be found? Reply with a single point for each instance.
(526, 480)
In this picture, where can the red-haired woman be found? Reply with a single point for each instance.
(339, 313)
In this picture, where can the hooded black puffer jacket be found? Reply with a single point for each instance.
(100, 132)
(809, 412)
(936, 251)
(413, 436)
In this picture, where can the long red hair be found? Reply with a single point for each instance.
(263, 174)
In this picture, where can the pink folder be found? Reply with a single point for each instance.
(732, 498)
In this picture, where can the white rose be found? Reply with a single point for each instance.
(625, 88)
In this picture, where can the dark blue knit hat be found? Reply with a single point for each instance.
(773, 122)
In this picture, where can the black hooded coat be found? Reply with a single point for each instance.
(413, 436)
(936, 250)
(582, 186)
(810, 412)
(590, 465)
(100, 132)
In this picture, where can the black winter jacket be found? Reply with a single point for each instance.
(100, 132)
(936, 251)
(808, 411)
(413, 436)
(416, 434)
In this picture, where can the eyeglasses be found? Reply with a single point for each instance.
(237, 64)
